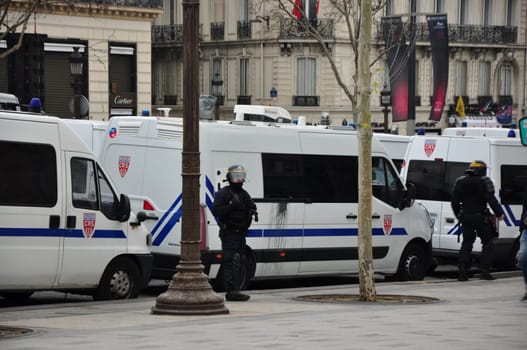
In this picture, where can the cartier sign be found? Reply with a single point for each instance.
(123, 100)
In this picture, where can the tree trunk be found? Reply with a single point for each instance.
(366, 272)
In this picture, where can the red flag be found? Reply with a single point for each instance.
(296, 9)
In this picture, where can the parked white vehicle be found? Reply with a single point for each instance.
(303, 180)
(433, 163)
(62, 224)
(396, 147)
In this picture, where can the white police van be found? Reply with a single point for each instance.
(433, 163)
(396, 147)
(62, 224)
(303, 180)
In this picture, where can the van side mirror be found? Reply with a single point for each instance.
(123, 210)
(522, 125)
(408, 198)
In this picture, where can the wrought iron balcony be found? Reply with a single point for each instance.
(306, 100)
(217, 30)
(244, 29)
(461, 33)
(244, 100)
(291, 29)
(169, 34)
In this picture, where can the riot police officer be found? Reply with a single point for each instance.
(234, 208)
(471, 194)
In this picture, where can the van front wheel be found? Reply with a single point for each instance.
(121, 280)
(413, 264)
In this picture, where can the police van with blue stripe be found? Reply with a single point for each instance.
(304, 180)
(63, 225)
(433, 163)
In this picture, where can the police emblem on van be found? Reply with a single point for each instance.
(124, 164)
(88, 224)
(387, 224)
(430, 146)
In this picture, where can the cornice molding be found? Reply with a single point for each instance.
(89, 9)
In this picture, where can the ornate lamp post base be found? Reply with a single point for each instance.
(189, 293)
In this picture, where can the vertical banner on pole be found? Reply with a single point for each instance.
(438, 29)
(397, 60)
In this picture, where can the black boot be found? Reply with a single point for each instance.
(485, 275)
(463, 276)
(236, 296)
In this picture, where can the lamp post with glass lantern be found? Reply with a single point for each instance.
(217, 91)
(386, 101)
(76, 64)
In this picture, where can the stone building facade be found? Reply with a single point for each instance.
(114, 39)
(251, 53)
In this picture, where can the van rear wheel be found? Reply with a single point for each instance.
(121, 280)
(413, 264)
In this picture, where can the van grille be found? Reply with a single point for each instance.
(169, 134)
(129, 130)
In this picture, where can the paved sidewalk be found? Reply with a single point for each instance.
(471, 315)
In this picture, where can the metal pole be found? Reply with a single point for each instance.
(410, 124)
(386, 110)
(189, 292)
(76, 98)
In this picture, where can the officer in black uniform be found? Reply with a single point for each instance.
(234, 209)
(471, 194)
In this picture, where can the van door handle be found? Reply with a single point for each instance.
(54, 221)
(375, 216)
(71, 221)
(351, 216)
(450, 220)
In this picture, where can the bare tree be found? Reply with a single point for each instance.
(14, 18)
(357, 15)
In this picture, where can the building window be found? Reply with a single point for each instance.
(439, 6)
(461, 78)
(511, 6)
(506, 79)
(484, 78)
(244, 10)
(389, 7)
(306, 80)
(244, 77)
(417, 66)
(463, 11)
(487, 12)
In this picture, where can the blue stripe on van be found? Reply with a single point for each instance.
(209, 186)
(66, 233)
(455, 230)
(166, 215)
(168, 227)
(508, 210)
(319, 232)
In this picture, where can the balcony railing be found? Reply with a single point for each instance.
(244, 29)
(129, 3)
(462, 33)
(306, 100)
(170, 34)
(243, 100)
(217, 30)
(291, 29)
(166, 34)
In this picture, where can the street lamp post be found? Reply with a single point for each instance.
(217, 91)
(76, 63)
(386, 101)
(189, 292)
